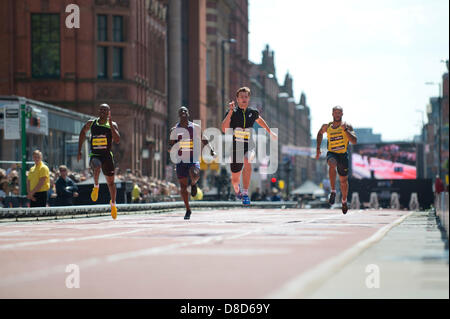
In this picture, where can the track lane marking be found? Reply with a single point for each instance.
(307, 282)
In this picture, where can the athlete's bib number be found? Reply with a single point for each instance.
(99, 142)
(186, 145)
(241, 135)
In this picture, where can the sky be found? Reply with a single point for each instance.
(370, 57)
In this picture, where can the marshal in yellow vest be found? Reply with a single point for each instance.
(337, 139)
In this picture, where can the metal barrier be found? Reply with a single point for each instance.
(95, 210)
(441, 205)
(355, 203)
(395, 202)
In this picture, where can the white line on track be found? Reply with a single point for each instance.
(66, 240)
(304, 284)
(91, 262)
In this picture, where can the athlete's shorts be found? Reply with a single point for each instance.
(342, 162)
(238, 162)
(183, 169)
(106, 162)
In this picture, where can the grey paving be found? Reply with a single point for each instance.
(411, 261)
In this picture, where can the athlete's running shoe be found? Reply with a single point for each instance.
(113, 210)
(94, 194)
(239, 195)
(245, 200)
(344, 208)
(188, 214)
(332, 198)
(194, 190)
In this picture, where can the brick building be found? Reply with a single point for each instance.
(278, 107)
(117, 56)
(227, 54)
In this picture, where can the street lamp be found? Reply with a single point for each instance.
(223, 71)
(439, 124)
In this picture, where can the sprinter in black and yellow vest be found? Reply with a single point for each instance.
(103, 132)
(339, 134)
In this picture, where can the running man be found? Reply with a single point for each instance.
(103, 132)
(241, 120)
(188, 166)
(339, 134)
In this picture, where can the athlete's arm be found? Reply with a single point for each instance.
(82, 137)
(351, 135)
(263, 123)
(114, 130)
(171, 142)
(206, 142)
(322, 130)
(227, 120)
(202, 137)
(115, 133)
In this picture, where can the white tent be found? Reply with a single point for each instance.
(309, 188)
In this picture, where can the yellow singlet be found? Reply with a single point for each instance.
(337, 139)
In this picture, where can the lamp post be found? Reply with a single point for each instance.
(423, 142)
(223, 71)
(263, 80)
(439, 124)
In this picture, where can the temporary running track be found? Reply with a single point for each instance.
(219, 253)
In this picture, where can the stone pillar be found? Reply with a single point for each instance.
(175, 64)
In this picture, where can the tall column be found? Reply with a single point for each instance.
(175, 58)
(197, 60)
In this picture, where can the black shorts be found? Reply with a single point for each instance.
(107, 163)
(41, 199)
(238, 161)
(342, 162)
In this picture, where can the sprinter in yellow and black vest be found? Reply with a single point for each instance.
(103, 133)
(339, 134)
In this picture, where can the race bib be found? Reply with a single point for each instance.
(99, 142)
(186, 144)
(242, 135)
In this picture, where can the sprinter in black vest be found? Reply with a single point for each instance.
(241, 119)
(103, 132)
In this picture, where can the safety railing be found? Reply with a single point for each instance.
(441, 204)
(97, 210)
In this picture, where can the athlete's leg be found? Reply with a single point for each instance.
(344, 187)
(236, 169)
(112, 188)
(96, 166)
(236, 180)
(194, 173)
(332, 172)
(247, 174)
(332, 163)
(184, 193)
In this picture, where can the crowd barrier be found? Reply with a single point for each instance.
(441, 204)
(95, 210)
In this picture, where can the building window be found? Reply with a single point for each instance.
(102, 62)
(117, 63)
(102, 25)
(45, 46)
(118, 28)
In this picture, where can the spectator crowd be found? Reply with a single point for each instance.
(62, 186)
